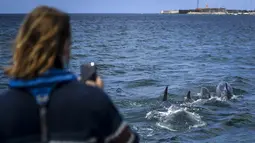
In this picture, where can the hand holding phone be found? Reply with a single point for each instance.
(89, 75)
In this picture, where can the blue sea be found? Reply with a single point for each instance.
(138, 55)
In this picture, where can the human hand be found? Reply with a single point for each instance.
(99, 82)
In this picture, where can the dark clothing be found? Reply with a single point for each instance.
(75, 112)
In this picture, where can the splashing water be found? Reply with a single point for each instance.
(176, 119)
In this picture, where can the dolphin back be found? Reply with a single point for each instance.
(205, 93)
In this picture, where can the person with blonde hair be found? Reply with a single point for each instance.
(45, 102)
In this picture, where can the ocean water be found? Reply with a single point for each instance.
(139, 54)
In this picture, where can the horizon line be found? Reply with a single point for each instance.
(11, 13)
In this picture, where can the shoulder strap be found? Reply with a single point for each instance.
(43, 123)
(42, 101)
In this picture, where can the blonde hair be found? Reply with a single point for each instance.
(39, 44)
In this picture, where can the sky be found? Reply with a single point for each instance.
(120, 6)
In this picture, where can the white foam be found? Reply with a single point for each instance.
(176, 118)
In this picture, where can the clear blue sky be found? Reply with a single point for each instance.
(119, 6)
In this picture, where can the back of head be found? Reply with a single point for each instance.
(40, 42)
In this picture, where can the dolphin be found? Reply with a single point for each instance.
(204, 93)
(224, 90)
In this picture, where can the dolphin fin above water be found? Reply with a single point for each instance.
(165, 94)
(229, 94)
(165, 97)
(188, 96)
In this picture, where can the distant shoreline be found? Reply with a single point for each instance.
(210, 11)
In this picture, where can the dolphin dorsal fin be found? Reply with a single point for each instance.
(229, 94)
(188, 95)
(227, 87)
(165, 94)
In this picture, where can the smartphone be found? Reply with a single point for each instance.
(88, 72)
